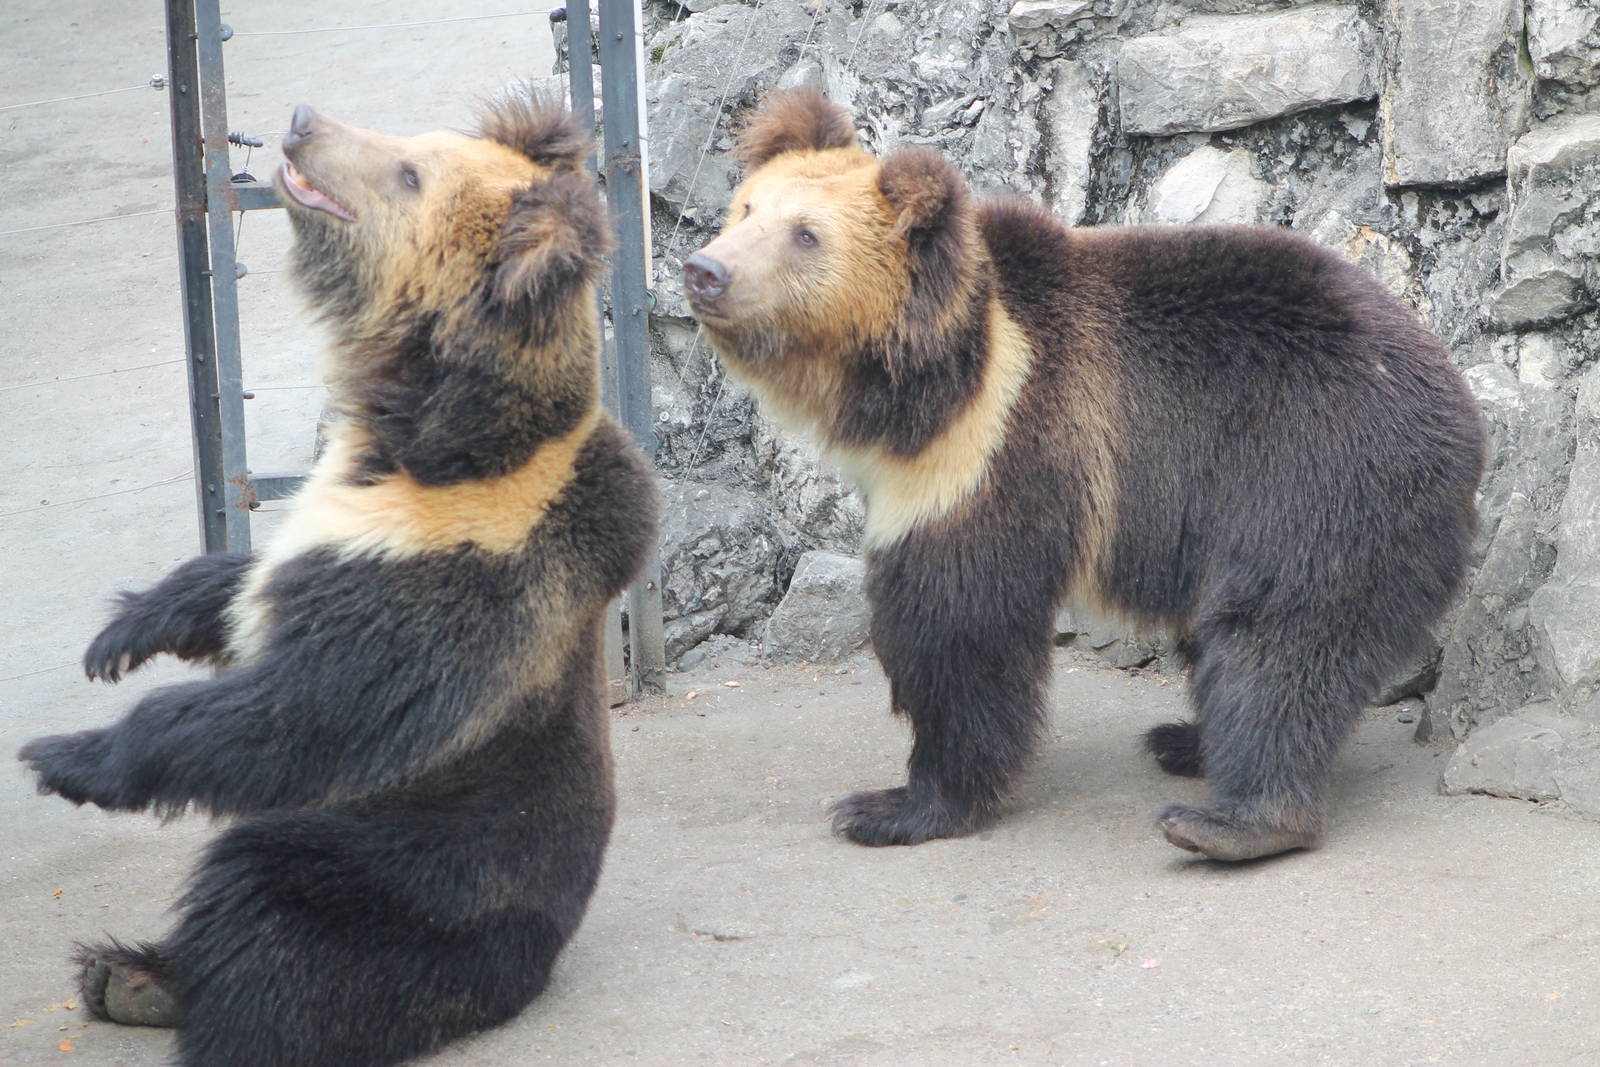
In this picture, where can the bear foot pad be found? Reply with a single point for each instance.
(880, 817)
(117, 984)
(1220, 838)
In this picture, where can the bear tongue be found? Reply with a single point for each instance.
(308, 195)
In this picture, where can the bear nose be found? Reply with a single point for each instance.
(706, 278)
(300, 126)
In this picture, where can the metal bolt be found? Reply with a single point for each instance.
(227, 32)
(240, 270)
(247, 396)
(158, 81)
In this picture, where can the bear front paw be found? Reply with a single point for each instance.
(73, 767)
(1221, 837)
(115, 651)
(879, 817)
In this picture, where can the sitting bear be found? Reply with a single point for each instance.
(410, 727)
(1227, 431)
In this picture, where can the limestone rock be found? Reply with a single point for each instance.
(722, 563)
(704, 68)
(1548, 261)
(1454, 94)
(1489, 664)
(823, 617)
(1055, 14)
(1222, 72)
(1113, 644)
(1536, 754)
(1564, 41)
(1207, 186)
(1073, 114)
(1565, 612)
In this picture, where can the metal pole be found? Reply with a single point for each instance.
(199, 337)
(229, 393)
(580, 88)
(621, 55)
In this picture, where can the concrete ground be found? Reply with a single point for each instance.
(729, 927)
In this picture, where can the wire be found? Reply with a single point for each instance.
(80, 96)
(391, 25)
(41, 670)
(98, 496)
(86, 222)
(734, 70)
(866, 24)
(711, 412)
(91, 374)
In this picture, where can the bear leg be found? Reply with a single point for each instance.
(128, 985)
(319, 938)
(1274, 701)
(976, 706)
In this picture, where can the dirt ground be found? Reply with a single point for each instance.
(730, 928)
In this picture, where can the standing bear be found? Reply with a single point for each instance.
(410, 728)
(1226, 431)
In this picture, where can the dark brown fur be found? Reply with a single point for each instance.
(411, 732)
(1229, 432)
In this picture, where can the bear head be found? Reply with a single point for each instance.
(445, 221)
(456, 274)
(834, 262)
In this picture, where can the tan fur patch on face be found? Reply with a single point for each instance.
(398, 518)
(904, 493)
(824, 301)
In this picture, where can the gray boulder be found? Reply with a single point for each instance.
(823, 618)
(1548, 263)
(1536, 754)
(722, 563)
(1565, 612)
(1564, 41)
(1222, 72)
(1454, 92)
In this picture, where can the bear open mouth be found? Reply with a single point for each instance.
(307, 195)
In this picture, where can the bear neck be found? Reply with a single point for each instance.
(460, 398)
(901, 392)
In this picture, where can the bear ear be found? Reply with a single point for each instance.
(555, 237)
(922, 188)
(795, 121)
(538, 126)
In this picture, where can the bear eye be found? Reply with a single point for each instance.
(806, 238)
(408, 175)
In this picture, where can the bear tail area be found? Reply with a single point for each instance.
(302, 946)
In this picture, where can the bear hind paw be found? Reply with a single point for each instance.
(1220, 837)
(127, 985)
(1176, 748)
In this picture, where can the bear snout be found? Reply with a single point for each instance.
(301, 125)
(705, 278)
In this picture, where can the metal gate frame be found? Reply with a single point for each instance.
(207, 197)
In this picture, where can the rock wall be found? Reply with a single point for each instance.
(1452, 147)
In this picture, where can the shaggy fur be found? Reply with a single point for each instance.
(1229, 432)
(411, 729)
